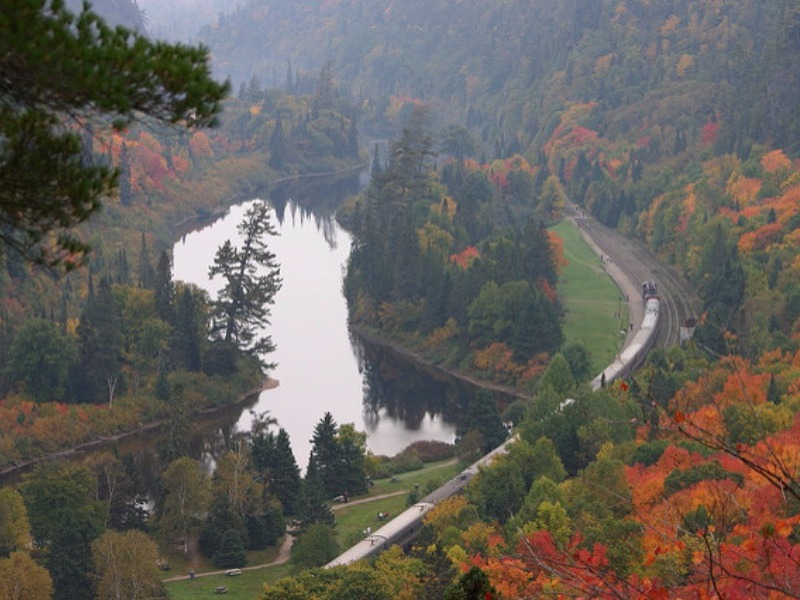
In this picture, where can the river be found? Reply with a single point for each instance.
(320, 365)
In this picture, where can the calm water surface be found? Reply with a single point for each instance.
(319, 366)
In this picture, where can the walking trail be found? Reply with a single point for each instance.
(285, 551)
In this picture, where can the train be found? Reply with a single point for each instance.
(403, 528)
(635, 352)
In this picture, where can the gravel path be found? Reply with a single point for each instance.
(285, 551)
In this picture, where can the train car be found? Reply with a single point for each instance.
(399, 531)
(635, 352)
(404, 527)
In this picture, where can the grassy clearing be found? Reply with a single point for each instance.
(443, 469)
(246, 586)
(352, 521)
(591, 299)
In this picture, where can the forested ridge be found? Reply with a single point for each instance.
(525, 61)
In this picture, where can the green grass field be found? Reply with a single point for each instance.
(591, 298)
(247, 586)
(351, 520)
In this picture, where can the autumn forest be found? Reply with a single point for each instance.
(481, 125)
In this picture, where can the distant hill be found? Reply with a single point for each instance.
(506, 69)
(181, 20)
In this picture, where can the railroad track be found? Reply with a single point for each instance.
(678, 301)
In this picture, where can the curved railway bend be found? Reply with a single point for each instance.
(629, 264)
(635, 263)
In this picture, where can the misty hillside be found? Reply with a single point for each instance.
(505, 69)
(181, 20)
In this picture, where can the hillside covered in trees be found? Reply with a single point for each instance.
(673, 66)
(663, 119)
(675, 122)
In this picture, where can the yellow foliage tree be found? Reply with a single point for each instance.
(22, 579)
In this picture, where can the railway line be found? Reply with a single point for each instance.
(638, 264)
(660, 302)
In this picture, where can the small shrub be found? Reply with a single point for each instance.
(432, 450)
(404, 462)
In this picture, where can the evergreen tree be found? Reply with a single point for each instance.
(65, 516)
(312, 505)
(579, 360)
(189, 331)
(773, 393)
(177, 443)
(100, 346)
(407, 177)
(405, 243)
(377, 169)
(70, 559)
(325, 455)
(123, 268)
(146, 274)
(60, 71)
(538, 254)
(277, 146)
(164, 288)
(473, 193)
(482, 416)
(558, 376)
(272, 455)
(326, 96)
(352, 449)
(472, 585)
(241, 310)
(253, 90)
(230, 553)
(265, 529)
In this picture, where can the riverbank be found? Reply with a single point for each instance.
(250, 189)
(149, 428)
(374, 337)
